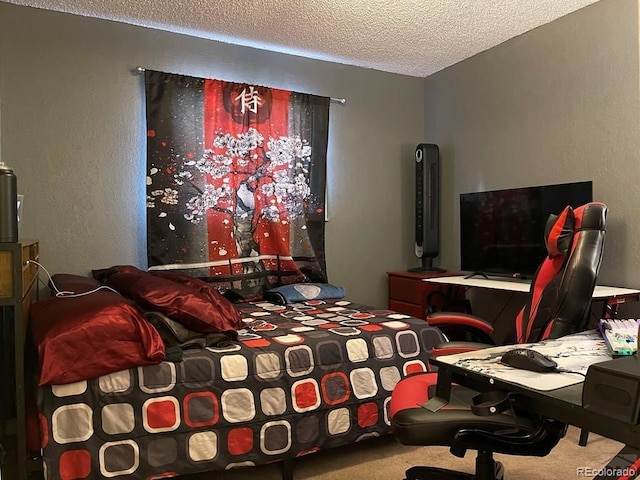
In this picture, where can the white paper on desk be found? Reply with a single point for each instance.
(573, 352)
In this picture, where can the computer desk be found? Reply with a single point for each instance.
(562, 404)
(611, 297)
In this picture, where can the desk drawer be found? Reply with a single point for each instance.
(407, 308)
(405, 290)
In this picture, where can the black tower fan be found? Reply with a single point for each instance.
(427, 204)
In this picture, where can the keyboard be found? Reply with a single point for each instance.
(620, 335)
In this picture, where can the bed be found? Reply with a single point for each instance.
(298, 378)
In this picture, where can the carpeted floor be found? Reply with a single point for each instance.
(385, 459)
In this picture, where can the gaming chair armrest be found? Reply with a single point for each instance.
(451, 348)
(446, 321)
(458, 318)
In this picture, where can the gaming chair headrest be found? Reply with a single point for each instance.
(558, 232)
(591, 216)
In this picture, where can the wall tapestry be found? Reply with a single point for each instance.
(235, 182)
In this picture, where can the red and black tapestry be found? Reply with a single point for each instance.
(235, 182)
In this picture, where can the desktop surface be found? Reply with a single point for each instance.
(501, 283)
(572, 353)
(600, 292)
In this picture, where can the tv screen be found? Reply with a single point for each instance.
(502, 231)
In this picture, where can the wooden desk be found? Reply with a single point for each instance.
(612, 297)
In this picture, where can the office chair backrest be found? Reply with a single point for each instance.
(562, 289)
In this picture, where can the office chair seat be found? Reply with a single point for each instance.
(410, 423)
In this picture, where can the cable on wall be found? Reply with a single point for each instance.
(65, 294)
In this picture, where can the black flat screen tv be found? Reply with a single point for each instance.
(502, 231)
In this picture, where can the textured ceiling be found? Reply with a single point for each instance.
(412, 37)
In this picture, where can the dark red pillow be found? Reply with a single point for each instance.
(101, 274)
(84, 337)
(70, 283)
(189, 301)
(202, 287)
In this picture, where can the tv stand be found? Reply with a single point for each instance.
(510, 276)
(427, 266)
(478, 274)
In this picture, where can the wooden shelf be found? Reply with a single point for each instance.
(18, 289)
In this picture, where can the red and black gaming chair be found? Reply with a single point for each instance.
(559, 304)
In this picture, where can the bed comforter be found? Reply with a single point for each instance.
(300, 378)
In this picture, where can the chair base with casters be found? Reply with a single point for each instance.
(486, 423)
(486, 468)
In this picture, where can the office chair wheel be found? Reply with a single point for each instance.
(434, 473)
(491, 470)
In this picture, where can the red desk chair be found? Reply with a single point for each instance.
(559, 303)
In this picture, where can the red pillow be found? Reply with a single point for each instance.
(188, 300)
(70, 283)
(84, 337)
(202, 287)
(102, 274)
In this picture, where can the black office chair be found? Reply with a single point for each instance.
(558, 304)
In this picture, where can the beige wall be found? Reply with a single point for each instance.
(73, 130)
(558, 104)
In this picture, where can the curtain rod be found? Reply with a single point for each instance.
(341, 101)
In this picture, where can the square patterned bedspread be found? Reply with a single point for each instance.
(302, 377)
